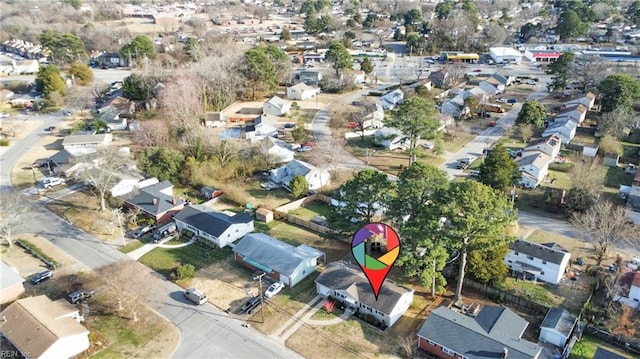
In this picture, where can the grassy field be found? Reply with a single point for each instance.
(166, 260)
(309, 211)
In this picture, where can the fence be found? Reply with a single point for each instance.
(282, 212)
(615, 340)
(507, 297)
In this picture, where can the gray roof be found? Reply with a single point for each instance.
(277, 102)
(484, 336)
(83, 139)
(144, 198)
(210, 221)
(273, 253)
(605, 354)
(539, 251)
(348, 277)
(560, 320)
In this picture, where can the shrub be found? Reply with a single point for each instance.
(37, 252)
(4, 142)
(185, 271)
(299, 186)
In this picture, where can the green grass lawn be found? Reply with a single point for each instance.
(616, 176)
(293, 234)
(122, 334)
(132, 246)
(587, 346)
(536, 292)
(165, 260)
(562, 180)
(311, 210)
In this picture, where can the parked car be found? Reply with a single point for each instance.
(250, 305)
(492, 124)
(50, 128)
(512, 100)
(530, 82)
(41, 277)
(196, 296)
(4, 115)
(501, 100)
(79, 296)
(428, 145)
(308, 144)
(477, 70)
(66, 113)
(37, 164)
(474, 173)
(164, 231)
(52, 181)
(139, 232)
(274, 289)
(269, 185)
(304, 149)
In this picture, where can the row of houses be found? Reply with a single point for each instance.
(25, 49)
(572, 113)
(484, 91)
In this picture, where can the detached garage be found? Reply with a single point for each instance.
(557, 327)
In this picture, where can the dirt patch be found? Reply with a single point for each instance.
(224, 287)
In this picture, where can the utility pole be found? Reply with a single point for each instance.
(120, 225)
(35, 180)
(261, 297)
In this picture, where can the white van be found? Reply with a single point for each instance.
(196, 296)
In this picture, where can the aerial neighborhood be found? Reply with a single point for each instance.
(189, 179)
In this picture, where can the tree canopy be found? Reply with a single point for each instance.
(259, 70)
(339, 57)
(366, 66)
(618, 91)
(532, 112)
(560, 71)
(65, 47)
(81, 72)
(49, 81)
(570, 25)
(138, 87)
(499, 170)
(140, 47)
(161, 162)
(299, 186)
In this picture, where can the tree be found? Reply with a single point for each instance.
(100, 172)
(194, 49)
(65, 47)
(76, 4)
(299, 186)
(139, 48)
(225, 152)
(529, 30)
(12, 212)
(609, 145)
(443, 9)
(339, 57)
(127, 284)
(285, 34)
(220, 79)
(360, 199)
(559, 69)
(633, 12)
(476, 219)
(416, 44)
(79, 71)
(259, 70)
(588, 71)
(499, 170)
(488, 266)
(281, 63)
(618, 91)
(366, 66)
(137, 87)
(415, 118)
(472, 104)
(161, 162)
(412, 16)
(78, 98)
(579, 200)
(570, 25)
(616, 123)
(532, 112)
(152, 133)
(49, 81)
(181, 103)
(587, 173)
(526, 131)
(605, 225)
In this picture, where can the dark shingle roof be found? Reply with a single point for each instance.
(605, 354)
(159, 191)
(484, 336)
(272, 253)
(560, 320)
(346, 277)
(208, 220)
(538, 251)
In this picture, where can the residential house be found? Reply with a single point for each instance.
(503, 79)
(262, 126)
(441, 78)
(549, 145)
(123, 105)
(316, 177)
(276, 151)
(534, 167)
(495, 332)
(11, 285)
(454, 107)
(276, 106)
(40, 328)
(214, 119)
(155, 201)
(391, 139)
(302, 91)
(111, 116)
(557, 327)
(588, 100)
(357, 76)
(279, 260)
(634, 290)
(576, 113)
(633, 200)
(371, 115)
(80, 140)
(220, 228)
(305, 45)
(128, 184)
(392, 99)
(546, 262)
(489, 88)
(346, 283)
(564, 128)
(109, 60)
(310, 77)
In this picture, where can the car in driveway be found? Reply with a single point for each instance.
(79, 296)
(530, 82)
(477, 70)
(274, 289)
(428, 145)
(4, 115)
(140, 232)
(250, 305)
(50, 128)
(501, 100)
(269, 185)
(52, 182)
(41, 277)
(304, 149)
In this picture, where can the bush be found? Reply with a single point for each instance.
(4, 142)
(185, 271)
(37, 252)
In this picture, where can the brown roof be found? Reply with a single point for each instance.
(34, 324)
(636, 280)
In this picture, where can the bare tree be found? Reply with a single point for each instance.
(617, 123)
(100, 170)
(609, 145)
(126, 283)
(99, 90)
(78, 98)
(587, 173)
(225, 151)
(12, 209)
(152, 133)
(605, 225)
(588, 71)
(181, 102)
(220, 81)
(525, 131)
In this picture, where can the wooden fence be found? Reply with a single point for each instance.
(282, 212)
(501, 295)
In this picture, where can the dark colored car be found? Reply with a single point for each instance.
(79, 296)
(250, 305)
(41, 277)
(50, 128)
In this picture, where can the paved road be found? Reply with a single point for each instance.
(100, 75)
(206, 332)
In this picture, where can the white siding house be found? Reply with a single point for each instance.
(565, 128)
(316, 177)
(276, 106)
(550, 145)
(557, 326)
(302, 91)
(545, 262)
(219, 228)
(534, 166)
(346, 283)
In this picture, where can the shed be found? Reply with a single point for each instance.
(589, 150)
(611, 160)
(265, 215)
(557, 326)
(210, 193)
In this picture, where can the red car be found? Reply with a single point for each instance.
(492, 124)
(477, 70)
(308, 144)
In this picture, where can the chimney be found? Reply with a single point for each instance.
(505, 353)
(174, 201)
(155, 201)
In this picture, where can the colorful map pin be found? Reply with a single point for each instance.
(375, 247)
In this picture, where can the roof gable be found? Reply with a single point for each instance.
(277, 102)
(156, 198)
(552, 255)
(210, 221)
(560, 320)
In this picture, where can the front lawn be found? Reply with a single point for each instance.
(311, 210)
(166, 260)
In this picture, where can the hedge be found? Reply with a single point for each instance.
(38, 253)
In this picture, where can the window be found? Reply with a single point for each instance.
(544, 262)
(516, 253)
(542, 273)
(530, 258)
(430, 342)
(510, 261)
(448, 351)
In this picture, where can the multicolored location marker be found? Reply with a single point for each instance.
(375, 247)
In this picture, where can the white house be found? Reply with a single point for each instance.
(11, 285)
(534, 166)
(262, 126)
(576, 113)
(316, 177)
(550, 145)
(634, 291)
(557, 326)
(392, 99)
(346, 283)
(40, 328)
(505, 54)
(546, 262)
(391, 138)
(564, 128)
(111, 116)
(489, 88)
(310, 77)
(302, 91)
(84, 140)
(276, 106)
(220, 228)
(588, 100)
(277, 151)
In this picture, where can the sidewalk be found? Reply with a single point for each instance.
(136, 254)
